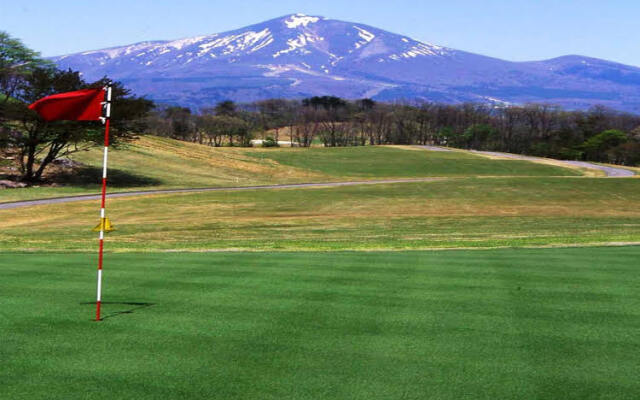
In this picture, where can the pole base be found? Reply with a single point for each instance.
(97, 311)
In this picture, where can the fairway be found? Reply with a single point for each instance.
(525, 324)
(396, 161)
(152, 162)
(449, 213)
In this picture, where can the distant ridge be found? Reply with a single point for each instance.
(298, 55)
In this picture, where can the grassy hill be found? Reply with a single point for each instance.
(154, 163)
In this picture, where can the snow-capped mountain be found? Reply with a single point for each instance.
(298, 56)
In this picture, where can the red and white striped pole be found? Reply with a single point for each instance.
(107, 118)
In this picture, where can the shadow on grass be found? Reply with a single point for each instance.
(130, 309)
(93, 175)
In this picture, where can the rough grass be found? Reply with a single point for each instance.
(500, 324)
(464, 212)
(157, 163)
(182, 164)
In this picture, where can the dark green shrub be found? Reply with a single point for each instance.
(269, 142)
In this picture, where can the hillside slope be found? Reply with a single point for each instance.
(153, 162)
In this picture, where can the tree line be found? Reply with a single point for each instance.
(34, 143)
(598, 134)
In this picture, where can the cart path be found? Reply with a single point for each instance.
(433, 148)
(610, 171)
(86, 197)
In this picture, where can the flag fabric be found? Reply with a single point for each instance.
(81, 105)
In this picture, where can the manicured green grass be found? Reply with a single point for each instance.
(464, 212)
(44, 192)
(398, 162)
(499, 324)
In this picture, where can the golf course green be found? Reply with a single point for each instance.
(487, 324)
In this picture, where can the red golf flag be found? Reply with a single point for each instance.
(81, 105)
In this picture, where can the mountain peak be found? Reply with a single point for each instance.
(299, 55)
(295, 20)
(294, 39)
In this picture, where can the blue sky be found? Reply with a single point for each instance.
(511, 29)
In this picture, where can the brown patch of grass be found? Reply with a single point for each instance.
(588, 172)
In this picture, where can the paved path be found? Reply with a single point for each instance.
(69, 199)
(433, 148)
(610, 171)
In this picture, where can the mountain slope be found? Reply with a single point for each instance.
(298, 55)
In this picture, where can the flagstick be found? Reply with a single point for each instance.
(104, 196)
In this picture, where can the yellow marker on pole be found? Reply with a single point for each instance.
(104, 225)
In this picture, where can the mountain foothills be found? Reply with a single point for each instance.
(298, 56)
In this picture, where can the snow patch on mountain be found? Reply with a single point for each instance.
(366, 35)
(179, 44)
(423, 50)
(299, 42)
(276, 70)
(246, 41)
(300, 19)
(279, 69)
